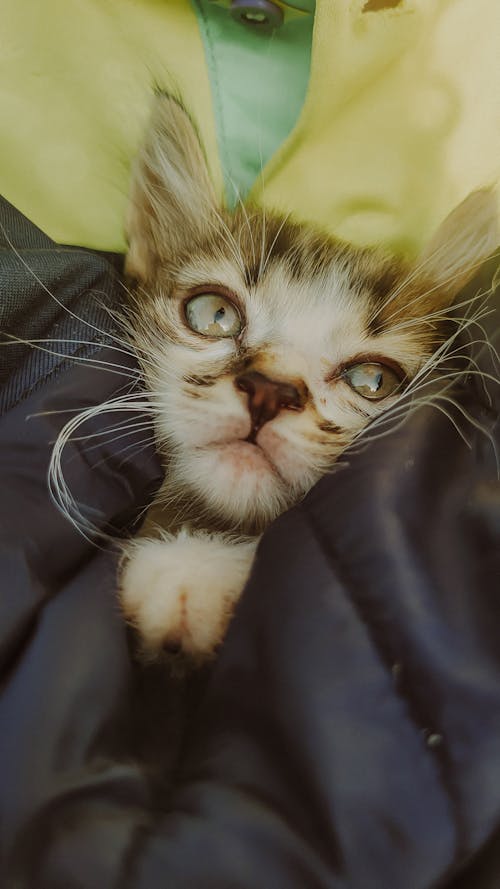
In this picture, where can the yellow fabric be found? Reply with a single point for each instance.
(401, 120)
(76, 82)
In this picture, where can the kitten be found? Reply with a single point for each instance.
(267, 347)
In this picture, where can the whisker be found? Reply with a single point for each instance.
(14, 339)
(448, 313)
(96, 363)
(246, 218)
(133, 430)
(58, 488)
(120, 427)
(48, 291)
(230, 241)
(270, 251)
(139, 446)
(137, 401)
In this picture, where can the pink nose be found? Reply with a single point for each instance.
(266, 398)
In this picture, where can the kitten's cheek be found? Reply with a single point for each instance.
(215, 430)
(206, 426)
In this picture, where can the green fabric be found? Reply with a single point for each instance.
(309, 5)
(258, 82)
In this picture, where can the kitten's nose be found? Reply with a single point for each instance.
(266, 398)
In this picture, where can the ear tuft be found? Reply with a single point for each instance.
(467, 237)
(172, 201)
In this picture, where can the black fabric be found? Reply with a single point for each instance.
(56, 297)
(348, 734)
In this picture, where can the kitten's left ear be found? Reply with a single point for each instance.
(468, 236)
(172, 202)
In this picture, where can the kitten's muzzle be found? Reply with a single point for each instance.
(266, 398)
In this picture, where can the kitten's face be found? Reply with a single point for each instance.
(252, 419)
(267, 348)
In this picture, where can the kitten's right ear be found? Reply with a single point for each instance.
(172, 201)
(466, 238)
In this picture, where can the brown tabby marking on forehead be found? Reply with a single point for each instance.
(191, 392)
(307, 253)
(272, 238)
(196, 380)
(252, 273)
(380, 285)
(330, 428)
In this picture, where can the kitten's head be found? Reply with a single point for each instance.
(267, 346)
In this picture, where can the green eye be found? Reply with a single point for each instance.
(373, 381)
(213, 315)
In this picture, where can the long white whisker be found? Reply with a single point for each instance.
(246, 217)
(132, 430)
(58, 488)
(120, 427)
(269, 252)
(52, 339)
(229, 240)
(139, 446)
(96, 363)
(48, 291)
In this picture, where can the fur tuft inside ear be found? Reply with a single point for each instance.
(172, 201)
(467, 237)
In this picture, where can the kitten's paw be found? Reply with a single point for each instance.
(179, 592)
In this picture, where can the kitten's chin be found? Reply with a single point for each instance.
(241, 457)
(237, 481)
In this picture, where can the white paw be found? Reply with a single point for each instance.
(179, 592)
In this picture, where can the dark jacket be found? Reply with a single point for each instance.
(348, 735)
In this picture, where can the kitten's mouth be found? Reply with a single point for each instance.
(247, 456)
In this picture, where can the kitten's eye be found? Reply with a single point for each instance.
(213, 315)
(373, 381)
